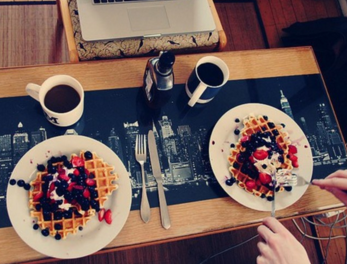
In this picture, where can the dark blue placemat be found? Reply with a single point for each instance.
(114, 117)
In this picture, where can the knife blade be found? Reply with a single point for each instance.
(153, 154)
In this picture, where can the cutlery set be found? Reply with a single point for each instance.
(141, 156)
(295, 180)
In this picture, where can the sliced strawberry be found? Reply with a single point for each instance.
(251, 159)
(86, 172)
(295, 164)
(244, 138)
(250, 184)
(71, 185)
(86, 193)
(78, 187)
(38, 196)
(76, 172)
(108, 216)
(52, 187)
(77, 162)
(101, 214)
(264, 178)
(64, 177)
(90, 182)
(292, 157)
(260, 154)
(293, 149)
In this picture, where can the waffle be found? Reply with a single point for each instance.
(66, 194)
(261, 135)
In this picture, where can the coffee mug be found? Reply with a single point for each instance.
(205, 81)
(61, 98)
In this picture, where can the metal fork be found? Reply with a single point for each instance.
(141, 156)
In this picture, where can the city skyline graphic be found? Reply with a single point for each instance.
(182, 147)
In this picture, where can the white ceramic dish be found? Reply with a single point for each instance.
(219, 148)
(95, 235)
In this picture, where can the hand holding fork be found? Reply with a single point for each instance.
(141, 156)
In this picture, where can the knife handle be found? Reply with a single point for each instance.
(164, 211)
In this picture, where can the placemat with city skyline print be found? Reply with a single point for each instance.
(183, 132)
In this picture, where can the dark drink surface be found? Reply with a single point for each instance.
(210, 74)
(62, 99)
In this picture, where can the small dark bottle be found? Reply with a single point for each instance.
(158, 79)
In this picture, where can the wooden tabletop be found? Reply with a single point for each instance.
(189, 219)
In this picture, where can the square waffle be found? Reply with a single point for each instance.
(263, 139)
(66, 194)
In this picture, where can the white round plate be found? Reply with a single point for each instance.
(95, 235)
(219, 148)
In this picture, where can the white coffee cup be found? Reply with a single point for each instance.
(61, 98)
(206, 80)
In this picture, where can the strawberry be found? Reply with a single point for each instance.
(76, 172)
(101, 214)
(78, 187)
(108, 216)
(264, 178)
(77, 162)
(71, 185)
(64, 177)
(38, 196)
(244, 138)
(260, 154)
(86, 193)
(295, 164)
(251, 159)
(292, 149)
(90, 182)
(292, 157)
(250, 184)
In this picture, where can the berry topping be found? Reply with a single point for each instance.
(108, 216)
(41, 167)
(250, 184)
(293, 149)
(101, 214)
(13, 182)
(20, 183)
(88, 155)
(264, 178)
(77, 162)
(260, 154)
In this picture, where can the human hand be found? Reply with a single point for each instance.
(279, 245)
(336, 183)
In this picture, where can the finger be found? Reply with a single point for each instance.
(340, 183)
(274, 225)
(338, 174)
(261, 260)
(264, 232)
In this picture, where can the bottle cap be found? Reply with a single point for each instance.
(166, 61)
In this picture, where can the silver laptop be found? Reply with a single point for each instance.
(142, 18)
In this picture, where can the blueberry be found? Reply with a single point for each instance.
(35, 226)
(236, 132)
(232, 145)
(236, 165)
(13, 182)
(80, 228)
(51, 169)
(271, 125)
(45, 232)
(288, 188)
(265, 117)
(27, 186)
(88, 155)
(237, 120)
(269, 198)
(63, 158)
(230, 181)
(57, 236)
(38, 207)
(67, 164)
(67, 214)
(57, 226)
(41, 167)
(58, 215)
(21, 183)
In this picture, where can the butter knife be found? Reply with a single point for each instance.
(153, 154)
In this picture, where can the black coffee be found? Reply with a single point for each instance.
(62, 99)
(210, 74)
